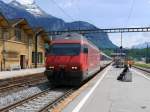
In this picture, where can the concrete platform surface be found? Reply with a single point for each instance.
(111, 95)
(18, 73)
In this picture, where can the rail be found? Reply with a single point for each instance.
(21, 83)
(43, 101)
(14, 105)
(61, 98)
(39, 96)
(142, 69)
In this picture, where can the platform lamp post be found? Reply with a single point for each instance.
(147, 54)
(4, 60)
(4, 53)
(121, 47)
(36, 48)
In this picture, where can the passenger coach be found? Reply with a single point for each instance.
(71, 59)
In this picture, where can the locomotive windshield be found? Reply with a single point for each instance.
(65, 49)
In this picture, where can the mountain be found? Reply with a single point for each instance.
(99, 39)
(141, 46)
(30, 7)
(37, 17)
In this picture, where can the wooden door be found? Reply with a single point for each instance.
(22, 61)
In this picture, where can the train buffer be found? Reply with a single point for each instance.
(106, 94)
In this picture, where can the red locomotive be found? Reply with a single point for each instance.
(71, 59)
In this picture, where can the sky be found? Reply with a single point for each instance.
(103, 14)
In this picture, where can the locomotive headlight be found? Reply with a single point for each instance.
(74, 68)
(51, 67)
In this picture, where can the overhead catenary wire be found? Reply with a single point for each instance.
(62, 10)
(80, 16)
(128, 18)
(130, 11)
(78, 11)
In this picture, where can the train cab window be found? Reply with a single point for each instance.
(65, 49)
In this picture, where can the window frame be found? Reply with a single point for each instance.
(40, 57)
(18, 34)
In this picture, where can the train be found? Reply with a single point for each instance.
(71, 59)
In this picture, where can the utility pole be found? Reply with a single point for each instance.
(36, 48)
(121, 39)
(147, 55)
(4, 51)
(121, 51)
(121, 46)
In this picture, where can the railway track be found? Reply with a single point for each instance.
(22, 82)
(21, 79)
(142, 69)
(50, 106)
(39, 102)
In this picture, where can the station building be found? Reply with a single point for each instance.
(17, 45)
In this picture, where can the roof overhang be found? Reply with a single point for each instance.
(23, 24)
(3, 21)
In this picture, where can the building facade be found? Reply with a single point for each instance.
(17, 45)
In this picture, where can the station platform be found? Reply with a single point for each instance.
(107, 94)
(19, 73)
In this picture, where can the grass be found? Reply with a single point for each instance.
(142, 65)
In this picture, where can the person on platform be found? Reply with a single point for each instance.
(122, 75)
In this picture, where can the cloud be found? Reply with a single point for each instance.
(104, 14)
(7, 1)
(67, 3)
(130, 39)
(21, 1)
(26, 1)
(146, 34)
